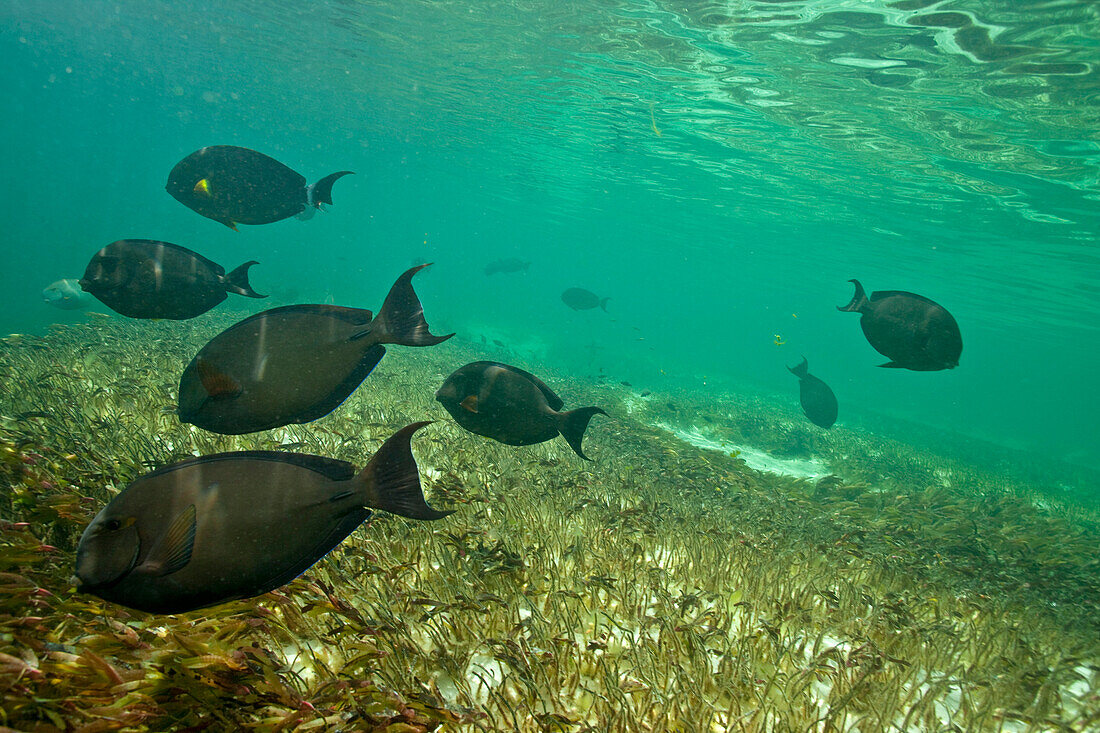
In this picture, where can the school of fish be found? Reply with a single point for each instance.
(235, 525)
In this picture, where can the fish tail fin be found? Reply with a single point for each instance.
(573, 425)
(391, 480)
(322, 190)
(603, 304)
(526, 265)
(237, 281)
(801, 370)
(859, 300)
(400, 320)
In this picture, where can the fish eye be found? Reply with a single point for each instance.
(113, 525)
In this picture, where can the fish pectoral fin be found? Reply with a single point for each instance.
(202, 188)
(173, 552)
(216, 383)
(470, 403)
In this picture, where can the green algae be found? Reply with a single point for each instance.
(662, 587)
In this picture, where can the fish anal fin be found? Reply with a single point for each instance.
(892, 365)
(173, 552)
(232, 225)
(217, 384)
(470, 403)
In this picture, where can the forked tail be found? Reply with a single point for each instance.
(321, 192)
(237, 281)
(401, 318)
(573, 425)
(391, 479)
(859, 300)
(801, 370)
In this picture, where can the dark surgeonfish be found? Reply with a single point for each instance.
(580, 299)
(66, 295)
(240, 186)
(913, 331)
(512, 264)
(508, 404)
(818, 401)
(143, 278)
(235, 525)
(296, 363)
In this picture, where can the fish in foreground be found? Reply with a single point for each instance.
(511, 264)
(818, 400)
(912, 331)
(234, 185)
(235, 525)
(512, 406)
(143, 278)
(66, 295)
(296, 363)
(580, 299)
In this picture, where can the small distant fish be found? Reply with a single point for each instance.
(143, 278)
(234, 185)
(297, 363)
(511, 264)
(498, 342)
(912, 331)
(235, 525)
(580, 299)
(626, 383)
(646, 393)
(818, 400)
(778, 339)
(512, 406)
(66, 295)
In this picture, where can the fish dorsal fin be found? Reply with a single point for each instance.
(173, 551)
(470, 403)
(354, 316)
(883, 294)
(332, 468)
(555, 402)
(217, 384)
(149, 244)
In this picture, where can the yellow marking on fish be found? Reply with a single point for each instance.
(779, 340)
(202, 188)
(653, 122)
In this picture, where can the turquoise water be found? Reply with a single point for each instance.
(718, 170)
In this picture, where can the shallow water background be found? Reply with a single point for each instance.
(719, 170)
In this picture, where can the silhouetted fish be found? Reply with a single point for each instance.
(508, 404)
(511, 264)
(580, 299)
(66, 295)
(818, 401)
(913, 331)
(240, 186)
(235, 525)
(296, 363)
(143, 278)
